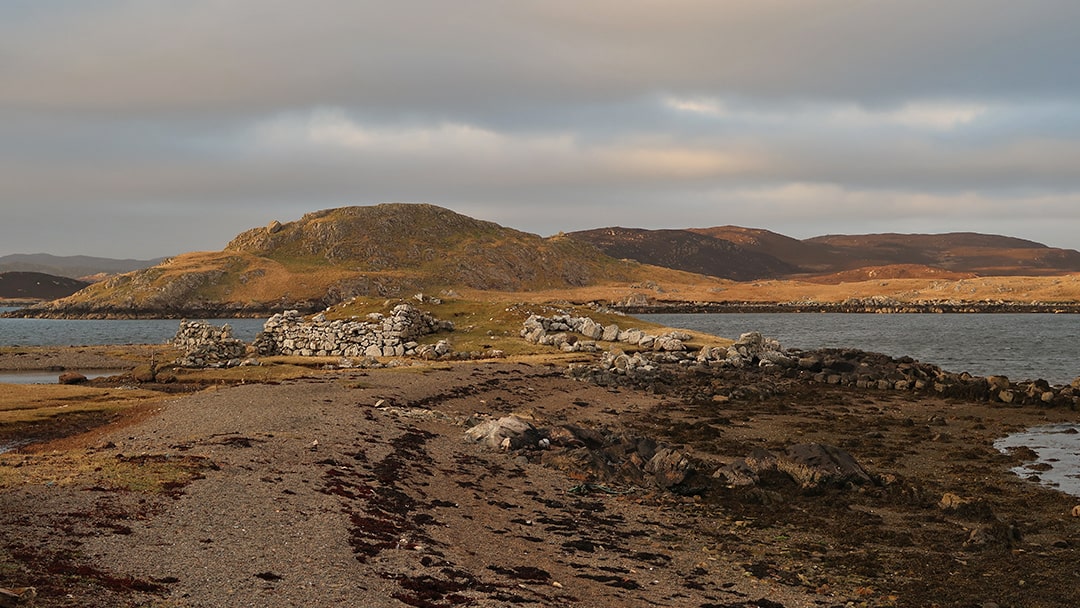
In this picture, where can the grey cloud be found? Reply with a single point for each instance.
(438, 57)
(176, 125)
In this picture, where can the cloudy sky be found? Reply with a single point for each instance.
(141, 128)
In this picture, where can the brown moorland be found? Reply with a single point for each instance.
(396, 250)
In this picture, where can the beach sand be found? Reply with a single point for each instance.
(357, 488)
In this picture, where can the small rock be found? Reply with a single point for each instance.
(71, 378)
(950, 501)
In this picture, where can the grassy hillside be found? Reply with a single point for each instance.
(426, 246)
(392, 250)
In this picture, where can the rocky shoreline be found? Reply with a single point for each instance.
(632, 305)
(865, 305)
(671, 479)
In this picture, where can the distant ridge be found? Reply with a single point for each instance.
(76, 266)
(37, 286)
(686, 250)
(751, 253)
(398, 250)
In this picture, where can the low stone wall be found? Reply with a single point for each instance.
(379, 336)
(563, 330)
(204, 345)
(755, 355)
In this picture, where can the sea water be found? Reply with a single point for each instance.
(1058, 449)
(1020, 346)
(89, 332)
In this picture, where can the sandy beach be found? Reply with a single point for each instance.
(357, 488)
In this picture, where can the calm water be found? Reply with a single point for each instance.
(1020, 346)
(1058, 447)
(70, 332)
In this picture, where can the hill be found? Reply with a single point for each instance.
(686, 250)
(984, 254)
(325, 257)
(37, 286)
(750, 253)
(76, 266)
(804, 256)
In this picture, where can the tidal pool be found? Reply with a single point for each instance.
(1058, 462)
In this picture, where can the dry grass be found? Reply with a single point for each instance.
(1023, 289)
(143, 473)
(30, 402)
(482, 325)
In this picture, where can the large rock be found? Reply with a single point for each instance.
(509, 432)
(71, 378)
(810, 465)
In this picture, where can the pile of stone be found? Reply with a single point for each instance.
(604, 455)
(378, 336)
(204, 345)
(751, 348)
(563, 331)
(761, 356)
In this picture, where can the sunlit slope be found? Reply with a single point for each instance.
(390, 250)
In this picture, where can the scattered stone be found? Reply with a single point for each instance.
(950, 502)
(15, 596)
(553, 332)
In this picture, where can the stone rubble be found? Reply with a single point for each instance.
(379, 336)
(604, 455)
(562, 331)
(844, 367)
(289, 334)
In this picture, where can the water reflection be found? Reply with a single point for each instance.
(51, 376)
(1057, 450)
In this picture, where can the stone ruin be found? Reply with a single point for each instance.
(379, 336)
(289, 334)
(562, 331)
(204, 345)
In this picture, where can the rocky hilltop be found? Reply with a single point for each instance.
(398, 250)
(329, 256)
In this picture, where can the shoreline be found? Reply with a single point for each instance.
(658, 306)
(361, 482)
(856, 307)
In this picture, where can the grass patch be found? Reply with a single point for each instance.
(272, 370)
(483, 326)
(31, 402)
(149, 473)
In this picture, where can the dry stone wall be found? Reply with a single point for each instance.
(565, 331)
(378, 336)
(204, 345)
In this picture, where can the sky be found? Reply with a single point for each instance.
(145, 128)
